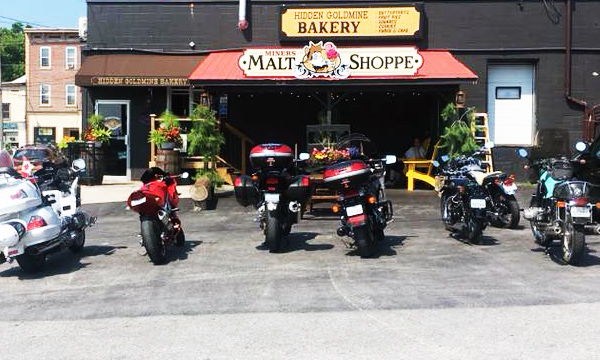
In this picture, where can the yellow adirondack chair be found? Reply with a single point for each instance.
(413, 169)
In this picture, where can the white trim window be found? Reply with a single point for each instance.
(70, 57)
(45, 57)
(71, 95)
(45, 90)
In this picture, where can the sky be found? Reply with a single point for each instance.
(51, 13)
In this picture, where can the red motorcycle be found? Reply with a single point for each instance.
(157, 203)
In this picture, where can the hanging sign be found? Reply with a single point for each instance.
(350, 22)
(327, 60)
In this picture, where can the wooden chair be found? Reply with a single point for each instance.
(412, 174)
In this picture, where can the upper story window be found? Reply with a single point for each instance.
(44, 94)
(71, 95)
(6, 111)
(70, 57)
(45, 57)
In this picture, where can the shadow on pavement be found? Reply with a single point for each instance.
(386, 248)
(63, 262)
(486, 240)
(297, 241)
(588, 259)
(181, 253)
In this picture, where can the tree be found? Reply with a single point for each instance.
(12, 52)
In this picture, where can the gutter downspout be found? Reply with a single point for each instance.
(242, 22)
(588, 128)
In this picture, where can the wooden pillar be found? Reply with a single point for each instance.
(329, 107)
(152, 146)
(243, 156)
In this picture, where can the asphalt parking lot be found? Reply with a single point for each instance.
(426, 295)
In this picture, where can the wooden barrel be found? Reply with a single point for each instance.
(168, 160)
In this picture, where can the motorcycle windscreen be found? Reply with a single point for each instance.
(5, 159)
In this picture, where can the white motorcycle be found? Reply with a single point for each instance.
(40, 217)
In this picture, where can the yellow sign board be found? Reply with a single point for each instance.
(350, 22)
(138, 81)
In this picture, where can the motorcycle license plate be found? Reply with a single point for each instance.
(354, 210)
(478, 203)
(580, 211)
(272, 198)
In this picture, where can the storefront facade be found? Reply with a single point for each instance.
(508, 57)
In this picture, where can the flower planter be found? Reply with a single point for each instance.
(168, 160)
(167, 146)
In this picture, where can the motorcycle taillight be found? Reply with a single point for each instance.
(36, 222)
(579, 202)
(272, 180)
(509, 180)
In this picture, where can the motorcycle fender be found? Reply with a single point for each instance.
(509, 189)
(14, 251)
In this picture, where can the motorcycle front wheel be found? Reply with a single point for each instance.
(573, 244)
(273, 231)
(363, 239)
(152, 241)
(31, 263)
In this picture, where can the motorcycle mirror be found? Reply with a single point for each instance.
(78, 164)
(523, 153)
(304, 156)
(390, 159)
(444, 158)
(185, 175)
(489, 145)
(580, 146)
(435, 163)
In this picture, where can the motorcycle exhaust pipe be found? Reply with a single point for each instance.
(342, 231)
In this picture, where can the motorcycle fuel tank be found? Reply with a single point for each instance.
(346, 174)
(271, 156)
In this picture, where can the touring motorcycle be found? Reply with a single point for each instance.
(157, 203)
(563, 206)
(362, 204)
(41, 214)
(277, 189)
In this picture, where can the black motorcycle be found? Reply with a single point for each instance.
(277, 189)
(464, 200)
(563, 206)
(362, 203)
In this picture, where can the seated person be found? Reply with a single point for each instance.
(416, 151)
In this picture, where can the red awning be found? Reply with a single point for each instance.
(439, 66)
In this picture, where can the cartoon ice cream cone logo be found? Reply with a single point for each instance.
(321, 60)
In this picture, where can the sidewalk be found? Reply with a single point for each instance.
(118, 191)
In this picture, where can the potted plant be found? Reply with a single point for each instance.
(168, 134)
(97, 132)
(458, 138)
(205, 139)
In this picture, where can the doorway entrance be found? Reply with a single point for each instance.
(116, 118)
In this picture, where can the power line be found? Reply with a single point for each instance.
(24, 22)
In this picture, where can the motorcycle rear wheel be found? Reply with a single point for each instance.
(539, 236)
(31, 263)
(78, 244)
(180, 238)
(474, 231)
(152, 241)
(573, 244)
(512, 214)
(363, 238)
(273, 231)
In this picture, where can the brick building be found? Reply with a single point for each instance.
(52, 58)
(509, 57)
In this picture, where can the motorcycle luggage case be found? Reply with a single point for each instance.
(299, 189)
(271, 156)
(245, 192)
(17, 195)
(346, 174)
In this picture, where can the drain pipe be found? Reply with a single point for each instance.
(588, 126)
(242, 22)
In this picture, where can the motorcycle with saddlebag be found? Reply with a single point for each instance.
(562, 206)
(278, 190)
(362, 204)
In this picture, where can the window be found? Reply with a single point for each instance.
(44, 94)
(6, 111)
(70, 57)
(74, 132)
(44, 135)
(513, 92)
(71, 95)
(45, 57)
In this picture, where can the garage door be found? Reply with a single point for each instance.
(511, 104)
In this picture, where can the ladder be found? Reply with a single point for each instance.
(481, 132)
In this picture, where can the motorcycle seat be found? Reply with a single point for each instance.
(480, 176)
